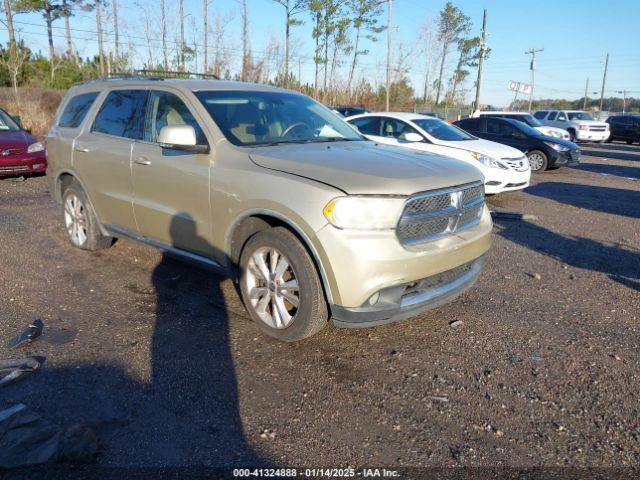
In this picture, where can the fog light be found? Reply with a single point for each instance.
(36, 166)
(374, 298)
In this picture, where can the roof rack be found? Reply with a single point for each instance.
(155, 75)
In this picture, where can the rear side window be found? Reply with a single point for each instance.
(540, 115)
(470, 124)
(552, 116)
(76, 110)
(367, 125)
(122, 114)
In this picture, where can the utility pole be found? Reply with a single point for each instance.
(532, 52)
(624, 100)
(604, 79)
(389, 28)
(586, 92)
(483, 51)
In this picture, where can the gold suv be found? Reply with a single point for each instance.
(271, 187)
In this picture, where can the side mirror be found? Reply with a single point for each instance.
(181, 137)
(411, 137)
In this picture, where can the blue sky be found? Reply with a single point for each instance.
(575, 35)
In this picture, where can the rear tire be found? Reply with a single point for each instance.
(572, 135)
(538, 161)
(80, 220)
(629, 142)
(280, 286)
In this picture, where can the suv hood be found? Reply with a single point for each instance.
(486, 147)
(365, 167)
(20, 139)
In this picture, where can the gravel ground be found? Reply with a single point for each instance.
(161, 359)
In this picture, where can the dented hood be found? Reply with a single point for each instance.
(365, 167)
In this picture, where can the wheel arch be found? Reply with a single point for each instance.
(254, 221)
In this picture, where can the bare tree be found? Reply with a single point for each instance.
(220, 52)
(14, 64)
(99, 32)
(205, 33)
(163, 21)
(116, 36)
(291, 8)
(365, 14)
(427, 39)
(246, 54)
(182, 45)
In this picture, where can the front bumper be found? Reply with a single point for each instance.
(361, 264)
(499, 182)
(587, 135)
(564, 159)
(411, 299)
(34, 163)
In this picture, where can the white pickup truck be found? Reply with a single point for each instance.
(580, 125)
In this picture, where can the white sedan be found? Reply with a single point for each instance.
(504, 168)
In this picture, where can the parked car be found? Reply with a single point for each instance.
(624, 127)
(312, 220)
(542, 151)
(504, 168)
(20, 152)
(580, 125)
(529, 120)
(350, 111)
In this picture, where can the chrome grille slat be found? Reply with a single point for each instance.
(431, 215)
(518, 164)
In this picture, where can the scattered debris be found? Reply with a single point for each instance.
(16, 179)
(504, 215)
(28, 439)
(29, 334)
(535, 358)
(442, 399)
(615, 356)
(13, 370)
(536, 275)
(267, 434)
(499, 433)
(455, 323)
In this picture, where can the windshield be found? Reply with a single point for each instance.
(250, 118)
(523, 127)
(442, 130)
(579, 116)
(7, 123)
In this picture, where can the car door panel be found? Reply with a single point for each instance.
(171, 187)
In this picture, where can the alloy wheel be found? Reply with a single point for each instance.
(536, 161)
(272, 286)
(75, 219)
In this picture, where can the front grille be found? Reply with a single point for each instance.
(8, 152)
(597, 129)
(518, 164)
(16, 168)
(431, 215)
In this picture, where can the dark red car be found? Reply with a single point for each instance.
(20, 152)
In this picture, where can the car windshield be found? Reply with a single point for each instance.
(580, 116)
(7, 124)
(528, 119)
(250, 118)
(442, 130)
(526, 129)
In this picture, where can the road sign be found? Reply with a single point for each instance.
(519, 87)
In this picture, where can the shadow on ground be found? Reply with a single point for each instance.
(187, 416)
(617, 170)
(617, 201)
(615, 153)
(578, 252)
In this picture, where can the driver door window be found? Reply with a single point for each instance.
(166, 109)
(552, 116)
(397, 129)
(561, 117)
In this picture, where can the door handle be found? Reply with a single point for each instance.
(81, 149)
(142, 161)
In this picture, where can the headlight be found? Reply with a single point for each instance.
(487, 161)
(364, 213)
(583, 127)
(553, 133)
(557, 147)
(35, 147)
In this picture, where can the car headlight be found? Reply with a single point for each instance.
(553, 133)
(488, 161)
(583, 127)
(557, 147)
(364, 212)
(35, 147)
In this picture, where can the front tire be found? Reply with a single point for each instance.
(80, 221)
(572, 135)
(538, 161)
(280, 286)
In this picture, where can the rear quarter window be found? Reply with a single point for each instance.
(76, 109)
(122, 114)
